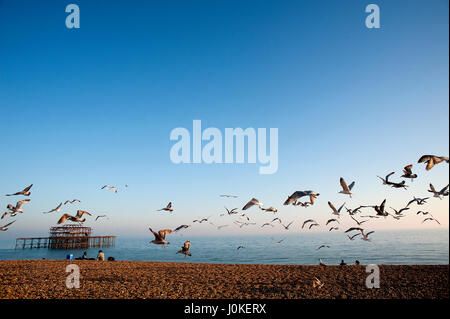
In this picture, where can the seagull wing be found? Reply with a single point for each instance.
(164, 232)
(344, 185)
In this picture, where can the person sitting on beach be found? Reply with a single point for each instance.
(356, 262)
(84, 257)
(342, 263)
(101, 255)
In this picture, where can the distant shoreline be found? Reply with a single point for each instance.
(32, 279)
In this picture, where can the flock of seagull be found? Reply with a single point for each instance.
(294, 199)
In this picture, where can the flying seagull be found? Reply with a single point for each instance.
(270, 209)
(299, 194)
(323, 246)
(56, 209)
(229, 196)
(331, 220)
(335, 211)
(287, 226)
(25, 192)
(72, 201)
(312, 225)
(308, 221)
(431, 218)
(114, 188)
(5, 228)
(232, 211)
(180, 227)
(251, 203)
(17, 209)
(432, 160)
(353, 237)
(12, 214)
(76, 218)
(399, 212)
(185, 249)
(160, 237)
(333, 228)
(168, 208)
(407, 172)
(346, 189)
(365, 236)
(358, 222)
(201, 220)
(101, 216)
(267, 224)
(240, 247)
(438, 194)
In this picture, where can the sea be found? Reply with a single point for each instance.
(404, 247)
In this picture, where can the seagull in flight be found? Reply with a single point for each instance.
(287, 226)
(335, 211)
(365, 236)
(76, 218)
(438, 194)
(12, 214)
(168, 208)
(399, 212)
(270, 209)
(251, 203)
(231, 212)
(25, 192)
(353, 237)
(333, 228)
(185, 249)
(346, 189)
(323, 246)
(331, 220)
(72, 201)
(101, 216)
(240, 247)
(267, 224)
(5, 227)
(299, 194)
(229, 196)
(17, 208)
(201, 220)
(432, 160)
(308, 221)
(56, 209)
(407, 172)
(160, 237)
(114, 188)
(357, 221)
(181, 227)
(312, 225)
(431, 218)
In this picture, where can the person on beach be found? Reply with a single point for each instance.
(357, 262)
(342, 263)
(84, 257)
(101, 255)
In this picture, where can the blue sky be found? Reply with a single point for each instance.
(92, 106)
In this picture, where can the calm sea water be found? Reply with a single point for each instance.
(386, 247)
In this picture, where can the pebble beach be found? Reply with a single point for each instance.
(31, 279)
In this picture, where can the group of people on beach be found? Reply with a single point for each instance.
(100, 257)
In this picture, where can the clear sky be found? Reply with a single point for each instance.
(86, 107)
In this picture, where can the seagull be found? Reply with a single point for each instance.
(299, 203)
(160, 237)
(243, 215)
(358, 222)
(201, 220)
(353, 237)
(167, 208)
(356, 210)
(312, 225)
(335, 211)
(398, 185)
(276, 219)
(399, 212)
(386, 179)
(251, 203)
(101, 216)
(72, 201)
(287, 226)
(220, 226)
(76, 218)
(423, 213)
(114, 188)
(17, 209)
(332, 220)
(298, 194)
(419, 201)
(431, 218)
(180, 227)
(280, 241)
(57, 209)
(407, 172)
(5, 228)
(323, 246)
(25, 192)
(317, 283)
(308, 221)
(380, 209)
(432, 160)
(267, 224)
(333, 228)
(270, 209)
(231, 212)
(442, 192)
(185, 249)
(346, 189)
(365, 236)
(229, 196)
(240, 247)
